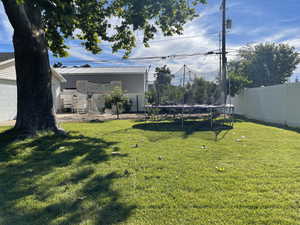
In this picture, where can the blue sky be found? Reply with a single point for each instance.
(254, 21)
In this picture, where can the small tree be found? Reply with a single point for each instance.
(117, 99)
(163, 81)
(108, 102)
(236, 83)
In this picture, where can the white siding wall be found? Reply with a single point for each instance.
(8, 92)
(8, 100)
(56, 90)
(276, 104)
(131, 83)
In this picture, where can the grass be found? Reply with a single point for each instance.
(126, 172)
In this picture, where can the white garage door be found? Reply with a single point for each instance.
(8, 100)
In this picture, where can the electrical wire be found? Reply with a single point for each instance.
(141, 59)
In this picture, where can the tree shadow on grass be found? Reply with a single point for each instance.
(54, 180)
(189, 127)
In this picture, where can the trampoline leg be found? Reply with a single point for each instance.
(232, 117)
(182, 119)
(211, 118)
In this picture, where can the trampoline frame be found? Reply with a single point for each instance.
(211, 111)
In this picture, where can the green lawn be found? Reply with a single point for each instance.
(98, 175)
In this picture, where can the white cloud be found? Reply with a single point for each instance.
(281, 35)
(80, 53)
(294, 42)
(197, 38)
(245, 31)
(208, 11)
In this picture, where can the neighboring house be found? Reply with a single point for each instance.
(8, 87)
(131, 79)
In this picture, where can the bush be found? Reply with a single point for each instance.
(127, 104)
(108, 102)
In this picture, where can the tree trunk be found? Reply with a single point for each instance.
(35, 103)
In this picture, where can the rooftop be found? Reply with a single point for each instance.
(8, 71)
(101, 70)
(4, 56)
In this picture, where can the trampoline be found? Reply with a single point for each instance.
(211, 112)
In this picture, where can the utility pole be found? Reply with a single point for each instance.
(220, 60)
(224, 58)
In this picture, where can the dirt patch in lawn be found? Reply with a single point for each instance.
(85, 118)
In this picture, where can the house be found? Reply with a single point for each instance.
(99, 81)
(8, 87)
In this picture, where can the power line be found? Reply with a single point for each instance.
(98, 61)
(175, 55)
(180, 37)
(144, 58)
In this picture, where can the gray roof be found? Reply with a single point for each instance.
(4, 56)
(101, 70)
(8, 71)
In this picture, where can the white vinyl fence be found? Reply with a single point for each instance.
(276, 104)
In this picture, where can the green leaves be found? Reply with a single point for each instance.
(236, 83)
(199, 91)
(266, 64)
(93, 21)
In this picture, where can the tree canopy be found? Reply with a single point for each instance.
(162, 83)
(42, 25)
(236, 83)
(202, 92)
(265, 64)
(199, 91)
(94, 21)
(163, 76)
